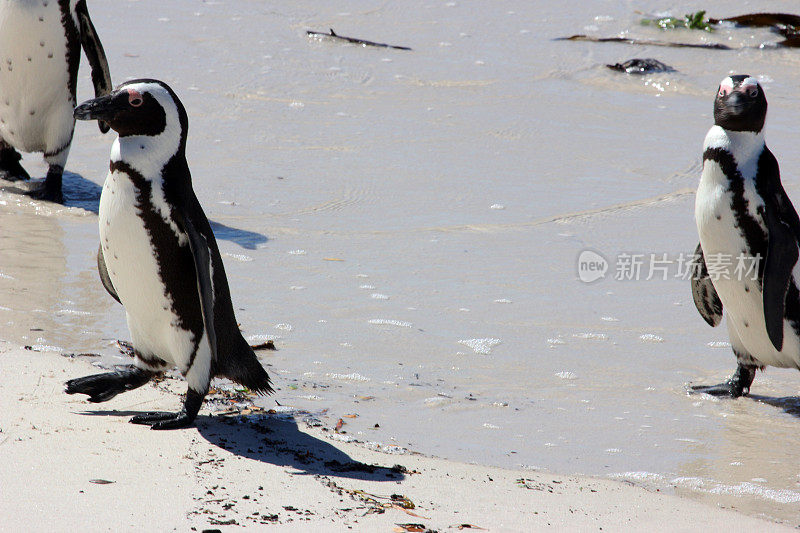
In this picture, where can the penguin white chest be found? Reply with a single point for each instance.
(130, 258)
(35, 100)
(733, 265)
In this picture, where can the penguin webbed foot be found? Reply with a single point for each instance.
(47, 194)
(735, 386)
(10, 169)
(103, 387)
(50, 190)
(726, 388)
(166, 420)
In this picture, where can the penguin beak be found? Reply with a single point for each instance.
(736, 104)
(103, 108)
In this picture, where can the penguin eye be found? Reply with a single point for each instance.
(752, 91)
(723, 91)
(135, 98)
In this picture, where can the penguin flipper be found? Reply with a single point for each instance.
(782, 254)
(238, 361)
(104, 277)
(101, 76)
(704, 294)
(202, 265)
(783, 229)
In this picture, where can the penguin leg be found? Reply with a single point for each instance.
(56, 160)
(736, 385)
(10, 169)
(103, 387)
(50, 191)
(182, 419)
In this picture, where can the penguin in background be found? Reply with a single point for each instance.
(158, 257)
(40, 51)
(742, 210)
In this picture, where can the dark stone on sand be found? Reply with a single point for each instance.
(641, 66)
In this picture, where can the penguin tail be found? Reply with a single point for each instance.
(245, 369)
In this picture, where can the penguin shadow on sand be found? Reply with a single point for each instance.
(789, 404)
(77, 190)
(278, 441)
(244, 238)
(85, 194)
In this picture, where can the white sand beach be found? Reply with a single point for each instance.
(69, 466)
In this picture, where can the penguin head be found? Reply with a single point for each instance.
(139, 107)
(740, 104)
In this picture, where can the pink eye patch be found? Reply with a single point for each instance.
(135, 98)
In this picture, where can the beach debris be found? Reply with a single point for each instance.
(43, 348)
(339, 425)
(312, 421)
(375, 502)
(642, 42)
(647, 65)
(268, 345)
(756, 20)
(415, 528)
(101, 481)
(353, 40)
(691, 21)
(125, 348)
(531, 484)
(467, 526)
(216, 522)
(784, 24)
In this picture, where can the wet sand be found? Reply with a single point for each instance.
(407, 227)
(69, 467)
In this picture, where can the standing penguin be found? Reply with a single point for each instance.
(40, 50)
(159, 258)
(742, 211)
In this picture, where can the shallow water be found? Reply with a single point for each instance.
(407, 225)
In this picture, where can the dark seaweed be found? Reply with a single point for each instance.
(362, 42)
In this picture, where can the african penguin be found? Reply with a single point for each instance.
(40, 47)
(746, 261)
(158, 257)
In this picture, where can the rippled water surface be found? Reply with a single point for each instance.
(406, 226)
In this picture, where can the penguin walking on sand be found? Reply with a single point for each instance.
(743, 212)
(40, 50)
(158, 257)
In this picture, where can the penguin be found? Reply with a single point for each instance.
(744, 214)
(40, 46)
(158, 257)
